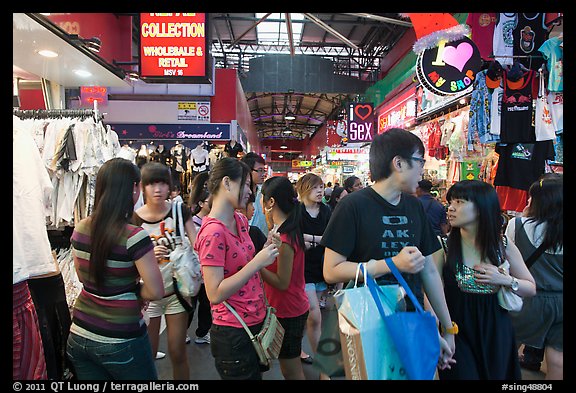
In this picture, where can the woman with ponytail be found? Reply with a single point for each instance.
(284, 279)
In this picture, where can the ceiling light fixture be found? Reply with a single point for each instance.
(132, 75)
(47, 53)
(280, 156)
(83, 73)
(283, 147)
(289, 116)
(287, 130)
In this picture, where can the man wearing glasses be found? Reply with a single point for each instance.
(258, 170)
(386, 221)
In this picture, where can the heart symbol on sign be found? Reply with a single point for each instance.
(459, 56)
(366, 111)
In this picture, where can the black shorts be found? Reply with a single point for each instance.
(234, 354)
(293, 334)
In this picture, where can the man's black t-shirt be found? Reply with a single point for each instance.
(365, 226)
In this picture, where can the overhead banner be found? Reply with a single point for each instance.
(360, 122)
(174, 48)
(212, 131)
(450, 68)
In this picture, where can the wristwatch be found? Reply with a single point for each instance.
(451, 330)
(514, 284)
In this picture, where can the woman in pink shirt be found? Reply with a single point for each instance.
(230, 271)
(284, 279)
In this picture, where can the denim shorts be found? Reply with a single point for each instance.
(317, 286)
(94, 360)
(234, 354)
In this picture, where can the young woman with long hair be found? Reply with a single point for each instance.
(284, 279)
(485, 346)
(540, 323)
(230, 270)
(108, 337)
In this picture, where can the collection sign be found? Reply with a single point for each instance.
(450, 68)
(174, 46)
(361, 122)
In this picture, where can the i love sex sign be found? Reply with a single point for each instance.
(361, 122)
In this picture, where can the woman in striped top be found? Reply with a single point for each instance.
(108, 337)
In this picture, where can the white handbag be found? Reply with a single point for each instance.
(507, 299)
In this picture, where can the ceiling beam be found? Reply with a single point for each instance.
(250, 28)
(382, 19)
(289, 31)
(331, 30)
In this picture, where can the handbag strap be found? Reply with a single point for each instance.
(537, 253)
(239, 319)
(404, 284)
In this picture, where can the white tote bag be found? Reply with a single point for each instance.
(544, 127)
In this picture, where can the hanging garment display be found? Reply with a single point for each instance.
(543, 126)
(516, 116)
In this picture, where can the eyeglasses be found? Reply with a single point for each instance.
(260, 171)
(420, 160)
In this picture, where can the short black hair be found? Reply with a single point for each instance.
(386, 146)
(252, 158)
(425, 185)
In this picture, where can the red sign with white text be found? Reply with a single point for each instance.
(173, 45)
(397, 112)
(89, 94)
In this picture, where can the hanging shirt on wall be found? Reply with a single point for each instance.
(482, 27)
(503, 40)
(516, 124)
(520, 164)
(553, 52)
(496, 110)
(556, 107)
(233, 151)
(529, 35)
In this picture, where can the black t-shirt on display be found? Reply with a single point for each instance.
(521, 164)
(365, 226)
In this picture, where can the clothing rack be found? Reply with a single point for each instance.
(56, 113)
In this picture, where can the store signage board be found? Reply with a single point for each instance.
(346, 154)
(398, 112)
(174, 48)
(89, 94)
(450, 68)
(360, 122)
(196, 111)
(211, 131)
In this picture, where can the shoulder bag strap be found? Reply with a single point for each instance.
(537, 253)
(239, 319)
(181, 222)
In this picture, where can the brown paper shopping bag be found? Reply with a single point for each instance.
(352, 353)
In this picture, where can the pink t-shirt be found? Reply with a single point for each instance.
(217, 246)
(293, 301)
(482, 26)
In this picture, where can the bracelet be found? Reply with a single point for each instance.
(451, 330)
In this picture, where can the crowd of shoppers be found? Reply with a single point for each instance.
(261, 238)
